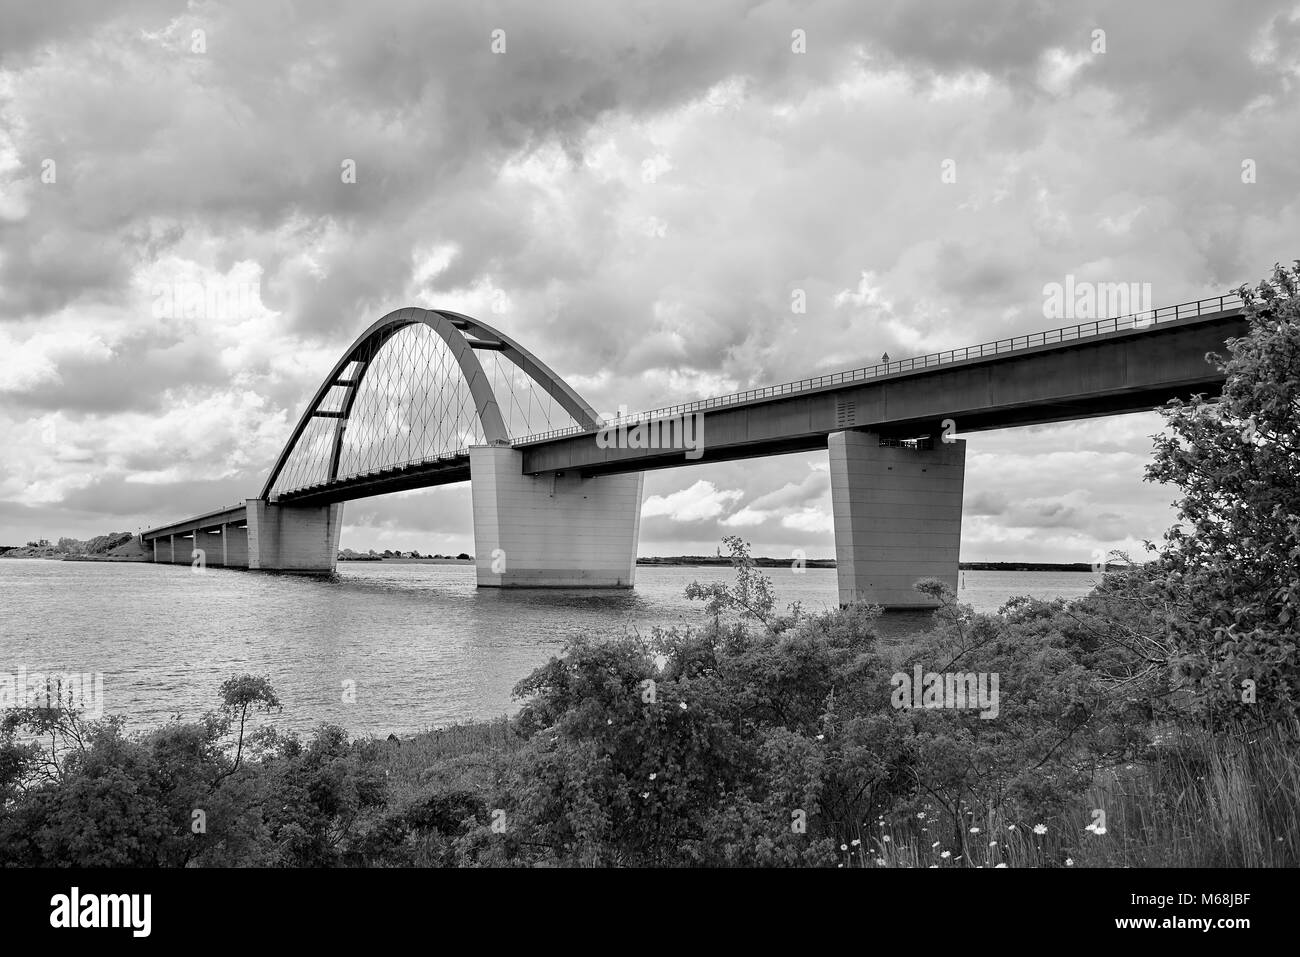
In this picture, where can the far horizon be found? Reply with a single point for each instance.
(966, 564)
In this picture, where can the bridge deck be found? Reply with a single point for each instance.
(1119, 372)
(230, 515)
(1106, 367)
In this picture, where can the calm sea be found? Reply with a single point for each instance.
(423, 646)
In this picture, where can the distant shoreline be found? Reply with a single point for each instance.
(711, 561)
(684, 561)
(406, 561)
(708, 561)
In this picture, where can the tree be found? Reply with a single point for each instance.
(750, 597)
(240, 695)
(1228, 583)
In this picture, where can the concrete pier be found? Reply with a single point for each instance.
(897, 513)
(234, 543)
(552, 531)
(293, 539)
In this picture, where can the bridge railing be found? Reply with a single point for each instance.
(1084, 330)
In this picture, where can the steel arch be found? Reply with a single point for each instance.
(451, 327)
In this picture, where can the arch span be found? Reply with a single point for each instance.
(335, 401)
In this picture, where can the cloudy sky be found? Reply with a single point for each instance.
(635, 191)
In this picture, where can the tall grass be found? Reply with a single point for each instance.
(1200, 800)
(460, 755)
(1205, 800)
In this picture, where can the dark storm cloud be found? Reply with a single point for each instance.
(1166, 61)
(949, 36)
(252, 132)
(985, 503)
(29, 27)
(976, 274)
(157, 502)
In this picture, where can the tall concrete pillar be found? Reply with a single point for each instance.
(225, 537)
(556, 530)
(234, 544)
(155, 550)
(287, 539)
(207, 539)
(897, 517)
(172, 557)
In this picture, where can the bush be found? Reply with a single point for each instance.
(1227, 588)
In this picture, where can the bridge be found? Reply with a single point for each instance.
(428, 397)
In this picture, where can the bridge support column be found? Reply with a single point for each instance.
(286, 539)
(556, 530)
(211, 538)
(204, 541)
(897, 517)
(234, 544)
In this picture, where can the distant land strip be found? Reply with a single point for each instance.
(830, 563)
(130, 552)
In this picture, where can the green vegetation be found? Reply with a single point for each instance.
(100, 545)
(348, 555)
(1153, 722)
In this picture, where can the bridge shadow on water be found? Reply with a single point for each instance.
(450, 595)
(416, 589)
(450, 591)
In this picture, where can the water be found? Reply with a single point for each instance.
(423, 645)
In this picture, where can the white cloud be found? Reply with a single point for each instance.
(809, 520)
(700, 502)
